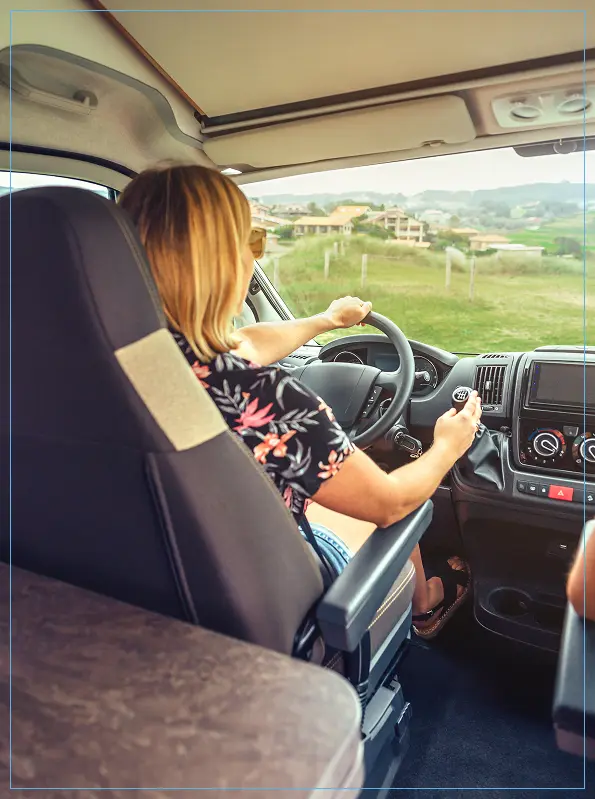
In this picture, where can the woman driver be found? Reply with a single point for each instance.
(195, 225)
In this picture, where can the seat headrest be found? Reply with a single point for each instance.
(93, 249)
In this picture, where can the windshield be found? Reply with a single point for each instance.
(474, 252)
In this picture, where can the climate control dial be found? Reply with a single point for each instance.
(583, 449)
(546, 445)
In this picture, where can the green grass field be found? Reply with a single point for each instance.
(573, 227)
(516, 306)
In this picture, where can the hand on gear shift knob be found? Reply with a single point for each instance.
(460, 396)
(459, 399)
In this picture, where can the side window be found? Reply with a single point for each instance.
(25, 180)
(247, 317)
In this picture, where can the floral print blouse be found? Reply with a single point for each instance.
(290, 431)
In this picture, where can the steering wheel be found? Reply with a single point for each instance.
(349, 387)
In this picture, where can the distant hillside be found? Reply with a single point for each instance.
(324, 199)
(538, 192)
(510, 195)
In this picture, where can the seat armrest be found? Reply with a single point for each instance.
(574, 698)
(349, 606)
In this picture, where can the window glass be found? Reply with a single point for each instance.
(25, 180)
(474, 252)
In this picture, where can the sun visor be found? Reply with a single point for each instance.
(399, 126)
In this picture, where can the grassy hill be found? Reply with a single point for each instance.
(517, 306)
(573, 227)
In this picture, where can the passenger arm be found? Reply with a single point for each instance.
(581, 581)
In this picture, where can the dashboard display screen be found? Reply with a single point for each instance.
(562, 384)
(387, 363)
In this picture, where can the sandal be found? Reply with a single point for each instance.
(451, 579)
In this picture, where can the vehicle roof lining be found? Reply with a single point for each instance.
(426, 86)
(240, 60)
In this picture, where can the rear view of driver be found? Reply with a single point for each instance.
(195, 225)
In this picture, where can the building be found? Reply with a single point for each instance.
(518, 249)
(268, 221)
(468, 232)
(486, 241)
(316, 225)
(435, 218)
(406, 228)
(291, 210)
(258, 209)
(351, 211)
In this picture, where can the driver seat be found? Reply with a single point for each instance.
(126, 480)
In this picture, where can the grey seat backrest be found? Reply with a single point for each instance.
(125, 478)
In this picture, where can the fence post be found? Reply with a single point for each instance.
(472, 278)
(342, 247)
(276, 271)
(327, 263)
(335, 248)
(364, 269)
(448, 271)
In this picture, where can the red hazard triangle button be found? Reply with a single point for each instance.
(560, 492)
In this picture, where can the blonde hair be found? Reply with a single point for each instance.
(194, 223)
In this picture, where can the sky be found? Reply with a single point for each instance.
(490, 169)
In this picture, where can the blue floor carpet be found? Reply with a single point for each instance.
(482, 719)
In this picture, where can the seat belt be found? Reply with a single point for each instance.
(311, 538)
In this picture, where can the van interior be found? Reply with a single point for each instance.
(158, 637)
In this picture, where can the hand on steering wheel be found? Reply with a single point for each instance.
(348, 388)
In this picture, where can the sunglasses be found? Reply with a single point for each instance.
(257, 242)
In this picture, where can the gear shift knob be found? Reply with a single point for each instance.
(459, 399)
(460, 396)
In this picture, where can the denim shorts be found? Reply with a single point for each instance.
(337, 553)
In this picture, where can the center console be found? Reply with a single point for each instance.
(554, 439)
(520, 540)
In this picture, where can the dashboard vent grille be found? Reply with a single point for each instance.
(492, 355)
(489, 383)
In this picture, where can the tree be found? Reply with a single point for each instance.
(568, 246)
(315, 210)
(285, 232)
(446, 238)
(495, 208)
(553, 209)
(376, 231)
(455, 221)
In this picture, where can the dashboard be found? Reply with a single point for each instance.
(520, 534)
(543, 403)
(431, 364)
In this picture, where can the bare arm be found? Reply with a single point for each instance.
(363, 491)
(581, 581)
(268, 342)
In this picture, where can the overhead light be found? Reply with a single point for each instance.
(231, 171)
(525, 111)
(556, 106)
(574, 104)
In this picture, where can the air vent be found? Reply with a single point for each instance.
(489, 383)
(493, 355)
